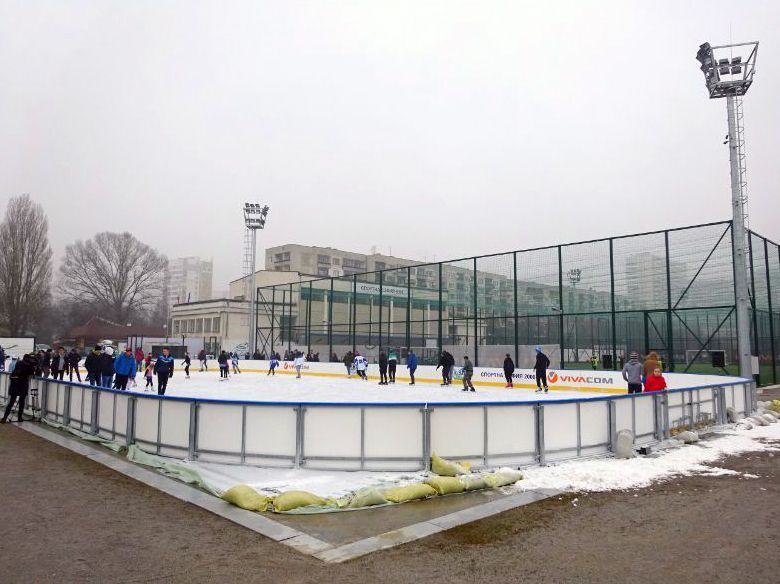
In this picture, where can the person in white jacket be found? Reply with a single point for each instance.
(360, 366)
(298, 363)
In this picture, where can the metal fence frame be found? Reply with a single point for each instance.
(114, 415)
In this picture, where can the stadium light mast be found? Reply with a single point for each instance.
(728, 76)
(255, 216)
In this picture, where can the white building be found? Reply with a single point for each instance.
(189, 280)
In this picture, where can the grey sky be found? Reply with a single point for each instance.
(432, 128)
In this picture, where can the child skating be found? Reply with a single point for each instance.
(234, 363)
(272, 365)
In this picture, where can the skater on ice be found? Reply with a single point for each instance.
(164, 370)
(509, 369)
(234, 363)
(411, 365)
(272, 365)
(187, 363)
(382, 368)
(204, 366)
(360, 366)
(540, 368)
(392, 363)
(468, 372)
(298, 363)
(348, 362)
(223, 365)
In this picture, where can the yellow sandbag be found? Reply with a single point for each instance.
(366, 498)
(409, 493)
(445, 485)
(246, 497)
(775, 405)
(447, 468)
(503, 478)
(294, 499)
(473, 482)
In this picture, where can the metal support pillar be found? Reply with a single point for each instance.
(753, 303)
(441, 308)
(476, 316)
(612, 302)
(771, 313)
(517, 322)
(253, 298)
(669, 308)
(560, 306)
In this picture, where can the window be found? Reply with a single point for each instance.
(349, 263)
(282, 257)
(322, 271)
(336, 261)
(191, 326)
(215, 326)
(207, 325)
(199, 325)
(323, 259)
(380, 266)
(176, 327)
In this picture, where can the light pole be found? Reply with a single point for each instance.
(730, 77)
(254, 219)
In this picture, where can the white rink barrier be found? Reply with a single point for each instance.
(384, 436)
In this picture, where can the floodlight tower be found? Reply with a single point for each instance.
(728, 76)
(255, 215)
(575, 275)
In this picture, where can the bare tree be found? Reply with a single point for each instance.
(118, 275)
(25, 265)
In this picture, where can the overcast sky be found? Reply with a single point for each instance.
(442, 129)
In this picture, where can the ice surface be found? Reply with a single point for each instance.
(286, 388)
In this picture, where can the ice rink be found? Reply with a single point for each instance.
(284, 387)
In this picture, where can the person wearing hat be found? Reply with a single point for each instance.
(509, 369)
(92, 365)
(468, 372)
(632, 374)
(106, 367)
(125, 368)
(540, 367)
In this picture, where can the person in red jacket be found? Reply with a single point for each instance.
(656, 381)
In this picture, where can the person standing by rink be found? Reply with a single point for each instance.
(411, 364)
(234, 363)
(92, 365)
(382, 368)
(73, 364)
(46, 363)
(139, 358)
(20, 385)
(187, 363)
(204, 366)
(392, 363)
(125, 368)
(509, 369)
(468, 373)
(273, 363)
(360, 366)
(298, 363)
(540, 367)
(348, 362)
(223, 365)
(164, 370)
(594, 361)
(106, 367)
(59, 364)
(632, 374)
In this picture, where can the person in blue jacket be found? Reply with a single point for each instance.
(124, 368)
(411, 365)
(164, 370)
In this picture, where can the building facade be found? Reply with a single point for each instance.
(189, 279)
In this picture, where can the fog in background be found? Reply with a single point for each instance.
(432, 129)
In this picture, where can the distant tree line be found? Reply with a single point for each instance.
(113, 275)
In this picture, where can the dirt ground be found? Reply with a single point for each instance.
(65, 518)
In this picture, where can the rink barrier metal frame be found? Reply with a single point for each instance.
(381, 436)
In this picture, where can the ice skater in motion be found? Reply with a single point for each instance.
(298, 363)
(204, 365)
(411, 365)
(187, 363)
(392, 363)
(149, 376)
(540, 367)
(164, 369)
(360, 366)
(234, 362)
(223, 365)
(509, 369)
(272, 365)
(468, 372)
(382, 368)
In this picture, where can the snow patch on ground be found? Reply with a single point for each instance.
(584, 475)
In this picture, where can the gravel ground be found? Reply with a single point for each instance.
(68, 519)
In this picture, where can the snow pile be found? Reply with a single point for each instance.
(585, 475)
(613, 474)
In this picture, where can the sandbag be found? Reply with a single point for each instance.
(687, 437)
(445, 485)
(409, 493)
(745, 425)
(775, 405)
(731, 415)
(774, 413)
(624, 447)
(758, 421)
(366, 498)
(769, 418)
(448, 468)
(503, 478)
(246, 497)
(473, 482)
(294, 499)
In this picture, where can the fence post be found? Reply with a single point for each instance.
(665, 412)
(517, 322)
(612, 302)
(539, 423)
(426, 436)
(44, 397)
(130, 430)
(612, 424)
(193, 438)
(476, 315)
(560, 305)
(669, 326)
(94, 418)
(66, 406)
(299, 428)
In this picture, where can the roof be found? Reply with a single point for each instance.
(97, 327)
